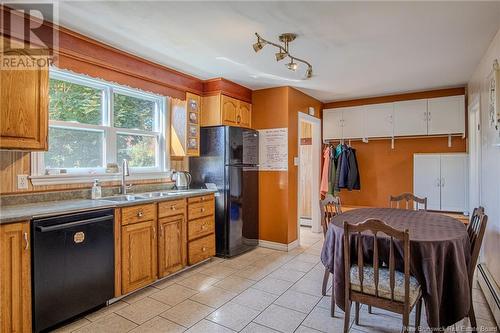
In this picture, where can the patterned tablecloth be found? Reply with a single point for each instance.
(439, 255)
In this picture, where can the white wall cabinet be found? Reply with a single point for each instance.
(446, 115)
(352, 123)
(410, 118)
(332, 124)
(378, 120)
(442, 178)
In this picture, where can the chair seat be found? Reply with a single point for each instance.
(384, 289)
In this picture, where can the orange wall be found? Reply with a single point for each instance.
(277, 108)
(384, 171)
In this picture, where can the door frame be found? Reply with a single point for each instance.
(316, 159)
(474, 147)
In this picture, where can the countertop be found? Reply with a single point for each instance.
(26, 212)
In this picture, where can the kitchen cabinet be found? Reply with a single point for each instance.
(224, 110)
(410, 117)
(172, 242)
(24, 98)
(442, 178)
(378, 120)
(446, 115)
(185, 126)
(332, 124)
(343, 123)
(15, 278)
(201, 228)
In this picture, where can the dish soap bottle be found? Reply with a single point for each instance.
(96, 190)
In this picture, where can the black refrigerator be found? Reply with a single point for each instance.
(229, 159)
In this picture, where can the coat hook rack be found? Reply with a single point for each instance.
(449, 140)
(392, 143)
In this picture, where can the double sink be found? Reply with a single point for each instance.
(146, 196)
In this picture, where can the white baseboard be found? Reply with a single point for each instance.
(279, 246)
(490, 290)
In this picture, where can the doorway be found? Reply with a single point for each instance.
(474, 116)
(309, 159)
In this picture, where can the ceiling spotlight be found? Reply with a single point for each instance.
(259, 45)
(292, 65)
(309, 72)
(280, 56)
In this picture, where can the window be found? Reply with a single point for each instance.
(93, 123)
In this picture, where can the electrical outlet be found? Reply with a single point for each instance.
(22, 182)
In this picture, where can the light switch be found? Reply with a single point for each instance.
(296, 161)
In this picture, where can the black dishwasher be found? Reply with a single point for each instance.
(72, 265)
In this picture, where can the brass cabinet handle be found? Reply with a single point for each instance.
(238, 119)
(202, 209)
(202, 198)
(161, 230)
(26, 241)
(140, 213)
(172, 207)
(203, 249)
(154, 232)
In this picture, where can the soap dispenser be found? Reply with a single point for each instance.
(96, 190)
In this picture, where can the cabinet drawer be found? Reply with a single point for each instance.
(200, 209)
(170, 208)
(138, 213)
(201, 227)
(201, 198)
(201, 249)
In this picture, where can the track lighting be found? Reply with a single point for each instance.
(285, 38)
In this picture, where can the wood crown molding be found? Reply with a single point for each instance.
(396, 98)
(228, 88)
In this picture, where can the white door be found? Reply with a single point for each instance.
(446, 115)
(454, 182)
(352, 122)
(426, 179)
(332, 124)
(378, 120)
(410, 118)
(474, 155)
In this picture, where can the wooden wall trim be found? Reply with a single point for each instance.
(226, 87)
(396, 98)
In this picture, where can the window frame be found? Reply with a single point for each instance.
(110, 133)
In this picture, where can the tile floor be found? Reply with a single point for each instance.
(263, 291)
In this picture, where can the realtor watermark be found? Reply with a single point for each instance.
(29, 40)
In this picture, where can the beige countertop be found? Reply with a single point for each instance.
(25, 212)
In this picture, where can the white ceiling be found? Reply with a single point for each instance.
(357, 49)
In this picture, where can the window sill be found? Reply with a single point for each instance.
(89, 178)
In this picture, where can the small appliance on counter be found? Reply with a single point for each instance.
(182, 179)
(229, 159)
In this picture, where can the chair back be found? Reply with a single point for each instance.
(476, 230)
(375, 227)
(329, 207)
(410, 200)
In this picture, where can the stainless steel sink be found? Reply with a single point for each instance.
(156, 194)
(120, 198)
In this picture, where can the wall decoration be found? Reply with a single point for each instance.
(494, 97)
(273, 149)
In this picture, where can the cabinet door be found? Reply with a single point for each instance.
(332, 124)
(245, 114)
(426, 179)
(410, 118)
(15, 278)
(172, 244)
(352, 123)
(229, 111)
(193, 124)
(446, 115)
(378, 120)
(24, 104)
(454, 182)
(139, 250)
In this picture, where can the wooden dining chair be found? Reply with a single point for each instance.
(376, 285)
(408, 198)
(475, 230)
(329, 207)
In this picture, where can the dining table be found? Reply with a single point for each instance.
(439, 258)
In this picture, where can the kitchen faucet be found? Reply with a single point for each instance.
(125, 172)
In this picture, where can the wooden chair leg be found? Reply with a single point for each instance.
(356, 318)
(325, 282)
(369, 309)
(406, 321)
(347, 316)
(472, 318)
(332, 308)
(418, 315)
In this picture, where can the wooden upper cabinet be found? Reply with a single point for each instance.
(15, 278)
(24, 97)
(185, 126)
(172, 244)
(224, 110)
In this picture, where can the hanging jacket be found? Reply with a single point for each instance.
(344, 167)
(332, 174)
(353, 181)
(323, 189)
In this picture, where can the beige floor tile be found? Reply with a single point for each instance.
(308, 286)
(310, 258)
(482, 311)
(233, 316)
(235, 284)
(139, 294)
(319, 319)
(314, 251)
(379, 322)
(143, 310)
(298, 265)
(162, 284)
(187, 313)
(297, 301)
(256, 328)
(213, 296)
(94, 316)
(173, 294)
(206, 326)
(158, 325)
(219, 271)
(255, 299)
(235, 263)
(273, 286)
(304, 329)
(73, 326)
(198, 282)
(280, 318)
(287, 274)
(253, 272)
(112, 323)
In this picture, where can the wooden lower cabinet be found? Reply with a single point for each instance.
(201, 249)
(139, 260)
(172, 244)
(15, 278)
